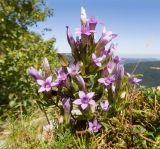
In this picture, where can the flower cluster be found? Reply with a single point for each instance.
(92, 82)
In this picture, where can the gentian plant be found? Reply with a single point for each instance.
(90, 88)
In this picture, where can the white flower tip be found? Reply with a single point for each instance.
(83, 16)
(83, 11)
(104, 30)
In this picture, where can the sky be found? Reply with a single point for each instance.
(137, 23)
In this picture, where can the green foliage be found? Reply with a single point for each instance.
(136, 126)
(20, 49)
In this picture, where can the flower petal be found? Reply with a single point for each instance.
(54, 83)
(49, 79)
(48, 89)
(92, 102)
(94, 56)
(82, 94)
(90, 95)
(95, 122)
(84, 106)
(90, 124)
(40, 82)
(77, 102)
(101, 80)
(42, 89)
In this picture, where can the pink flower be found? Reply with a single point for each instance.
(94, 126)
(106, 37)
(85, 99)
(46, 85)
(104, 105)
(73, 70)
(97, 60)
(107, 81)
(133, 80)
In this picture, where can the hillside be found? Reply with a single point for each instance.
(150, 71)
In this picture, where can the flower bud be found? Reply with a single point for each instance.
(46, 67)
(83, 17)
(34, 73)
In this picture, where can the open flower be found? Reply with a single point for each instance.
(133, 80)
(94, 126)
(46, 85)
(85, 99)
(73, 70)
(34, 73)
(97, 60)
(104, 105)
(109, 80)
(106, 37)
(61, 76)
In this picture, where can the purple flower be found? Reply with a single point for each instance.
(61, 76)
(81, 82)
(94, 126)
(117, 60)
(109, 67)
(73, 70)
(66, 104)
(119, 71)
(133, 80)
(46, 67)
(46, 85)
(71, 40)
(92, 23)
(105, 38)
(84, 30)
(34, 73)
(109, 80)
(85, 99)
(107, 52)
(104, 105)
(97, 61)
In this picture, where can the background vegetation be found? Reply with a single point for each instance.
(20, 49)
